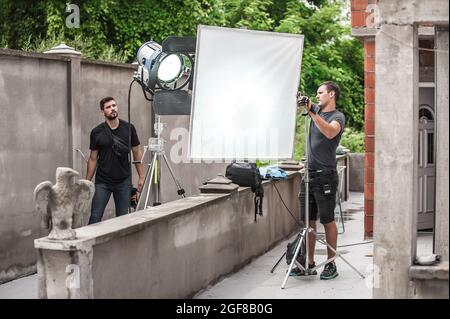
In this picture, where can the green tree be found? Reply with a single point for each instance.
(250, 14)
(114, 29)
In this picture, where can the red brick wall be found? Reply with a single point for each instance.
(358, 18)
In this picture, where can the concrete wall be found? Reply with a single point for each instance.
(395, 203)
(34, 141)
(343, 160)
(356, 172)
(442, 118)
(49, 104)
(169, 251)
(413, 11)
(395, 210)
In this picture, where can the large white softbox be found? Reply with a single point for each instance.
(244, 94)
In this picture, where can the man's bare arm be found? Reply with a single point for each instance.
(91, 164)
(330, 130)
(137, 156)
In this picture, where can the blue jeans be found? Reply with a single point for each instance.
(121, 194)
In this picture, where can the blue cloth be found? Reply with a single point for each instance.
(273, 172)
(121, 193)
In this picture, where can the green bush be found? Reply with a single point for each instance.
(353, 140)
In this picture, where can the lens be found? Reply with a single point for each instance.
(174, 71)
(170, 68)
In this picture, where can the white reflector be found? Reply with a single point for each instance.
(244, 95)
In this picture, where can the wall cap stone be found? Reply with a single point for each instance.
(63, 49)
(439, 271)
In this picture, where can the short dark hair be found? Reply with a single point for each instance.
(331, 86)
(104, 100)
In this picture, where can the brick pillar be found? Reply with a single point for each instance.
(361, 14)
(369, 130)
(358, 10)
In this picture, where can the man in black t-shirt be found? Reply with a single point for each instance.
(325, 133)
(113, 173)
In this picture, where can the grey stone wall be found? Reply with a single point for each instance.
(442, 118)
(170, 251)
(49, 104)
(356, 171)
(34, 141)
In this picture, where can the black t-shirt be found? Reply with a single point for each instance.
(322, 151)
(112, 169)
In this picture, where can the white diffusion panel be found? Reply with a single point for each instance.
(244, 95)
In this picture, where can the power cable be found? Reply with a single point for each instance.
(281, 198)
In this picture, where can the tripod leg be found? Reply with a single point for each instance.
(273, 268)
(294, 258)
(179, 188)
(338, 255)
(340, 215)
(150, 179)
(157, 179)
(143, 186)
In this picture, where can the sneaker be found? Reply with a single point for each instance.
(329, 272)
(299, 272)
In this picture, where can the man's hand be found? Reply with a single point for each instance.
(308, 106)
(140, 184)
(305, 102)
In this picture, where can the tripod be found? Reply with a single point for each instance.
(304, 233)
(156, 145)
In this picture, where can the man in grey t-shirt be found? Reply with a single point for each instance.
(326, 129)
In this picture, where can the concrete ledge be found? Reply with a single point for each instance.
(35, 55)
(429, 282)
(107, 63)
(439, 271)
(364, 32)
(127, 224)
(169, 251)
(59, 57)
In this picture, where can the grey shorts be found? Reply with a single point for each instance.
(322, 196)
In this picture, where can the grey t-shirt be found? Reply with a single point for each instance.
(321, 150)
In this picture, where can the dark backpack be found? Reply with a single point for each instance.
(247, 174)
(290, 251)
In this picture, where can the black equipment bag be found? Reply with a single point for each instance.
(290, 251)
(119, 147)
(247, 174)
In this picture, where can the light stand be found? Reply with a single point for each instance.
(307, 229)
(156, 146)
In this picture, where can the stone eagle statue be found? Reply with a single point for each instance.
(62, 205)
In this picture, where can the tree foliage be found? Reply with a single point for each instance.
(114, 30)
